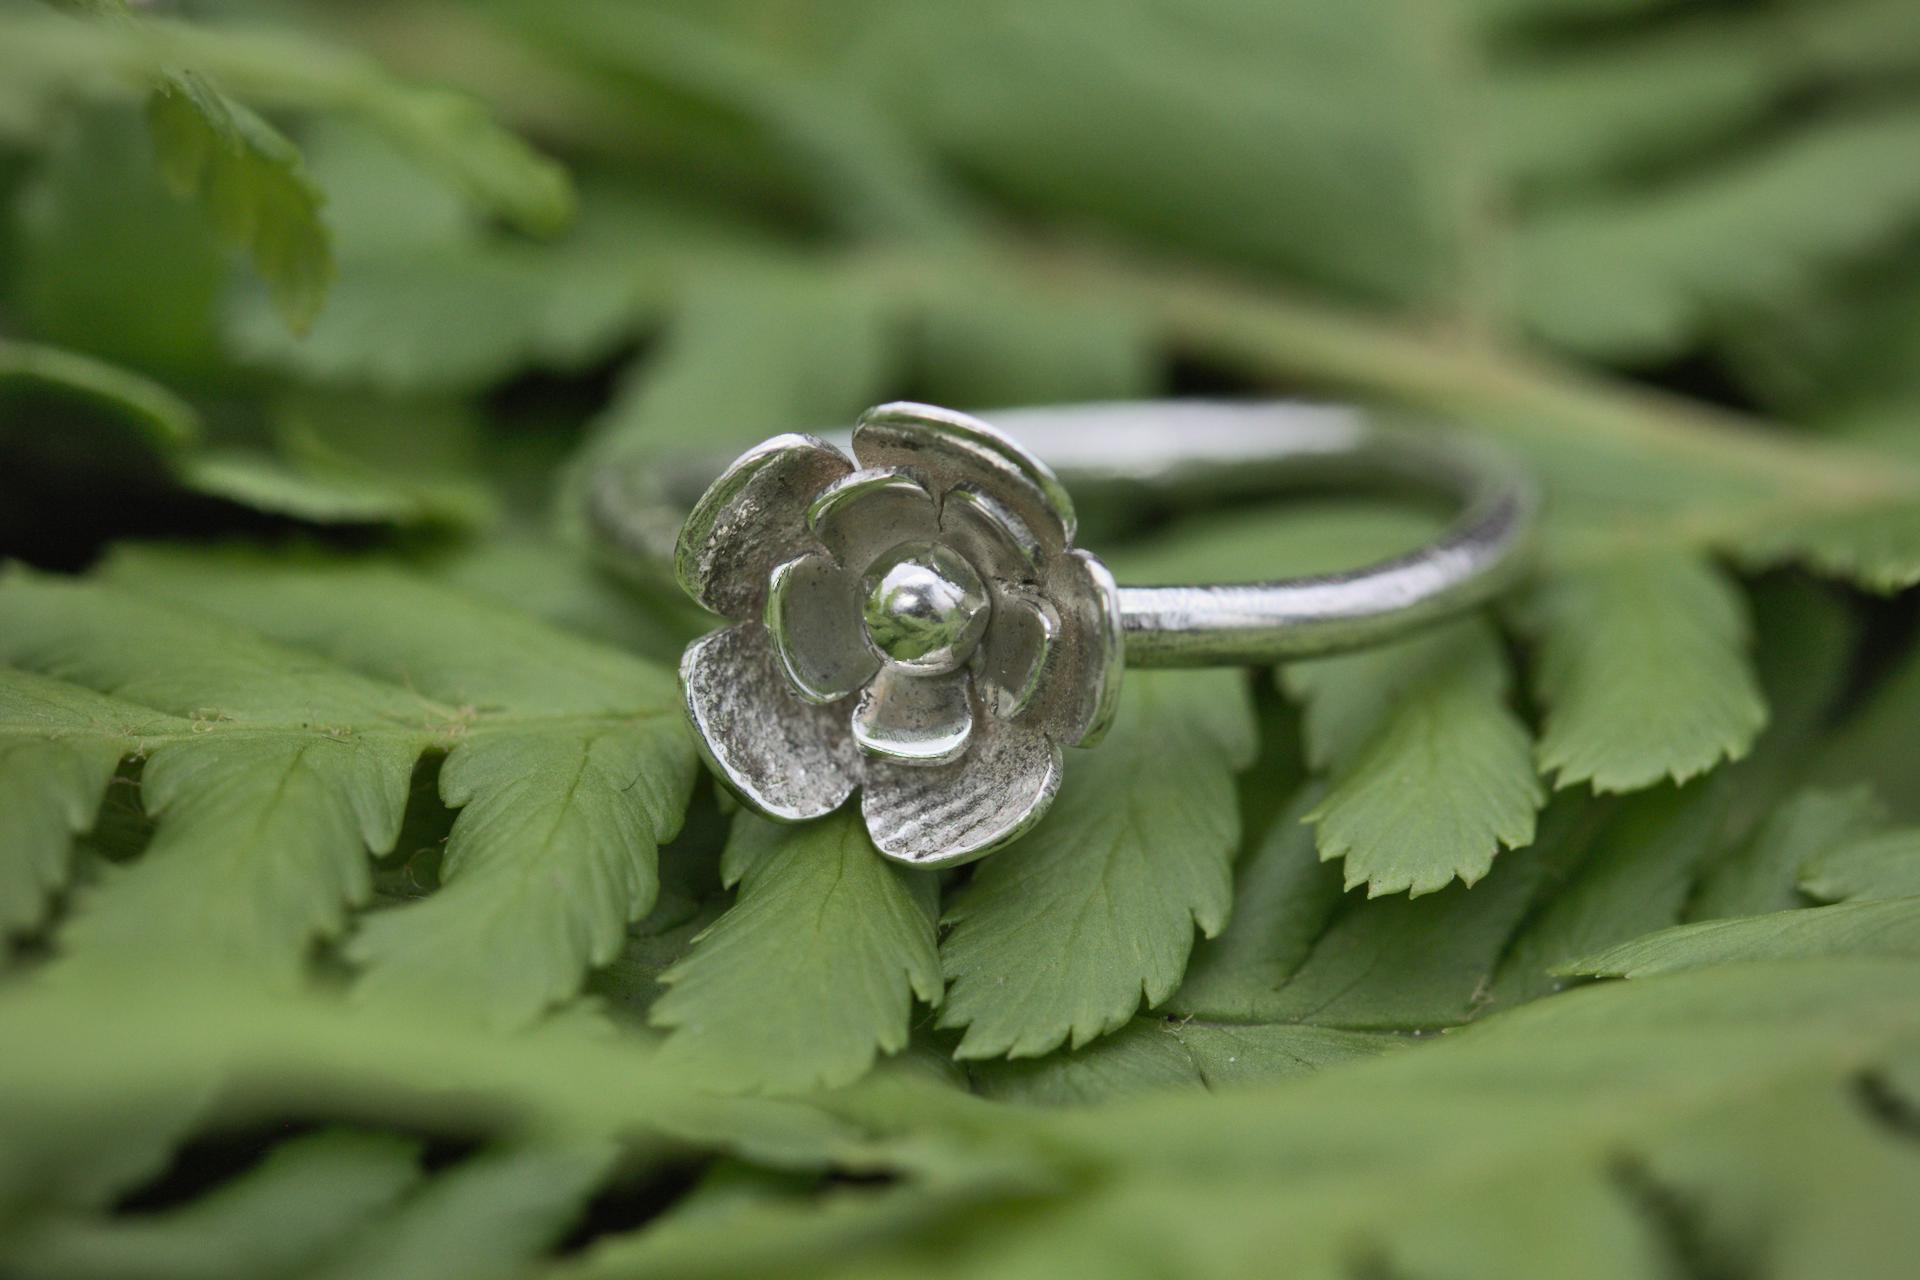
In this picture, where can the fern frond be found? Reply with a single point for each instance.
(1886, 865)
(1151, 1055)
(1431, 771)
(1096, 909)
(1643, 672)
(494, 1211)
(1762, 874)
(120, 408)
(249, 177)
(254, 187)
(303, 1197)
(1874, 927)
(273, 772)
(815, 969)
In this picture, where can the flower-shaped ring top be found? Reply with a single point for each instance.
(919, 628)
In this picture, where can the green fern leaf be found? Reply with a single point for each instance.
(249, 177)
(1879, 866)
(325, 495)
(59, 747)
(488, 1215)
(277, 773)
(1550, 1141)
(1640, 276)
(271, 1220)
(814, 969)
(1431, 771)
(38, 382)
(1634, 878)
(568, 762)
(1283, 897)
(1599, 110)
(1876, 927)
(1060, 937)
(1875, 544)
(821, 349)
(1140, 1057)
(1649, 98)
(1761, 875)
(1600, 872)
(1488, 1130)
(1315, 957)
(840, 206)
(175, 1032)
(1643, 670)
(253, 185)
(453, 317)
(1645, 856)
(549, 859)
(262, 845)
(846, 156)
(272, 773)
(1875, 742)
(163, 418)
(455, 135)
(1149, 1055)
(109, 260)
(983, 346)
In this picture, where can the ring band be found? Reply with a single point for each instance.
(915, 622)
(1222, 449)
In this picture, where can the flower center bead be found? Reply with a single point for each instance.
(925, 607)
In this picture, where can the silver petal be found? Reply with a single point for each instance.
(916, 720)
(1016, 657)
(813, 613)
(863, 515)
(752, 518)
(997, 542)
(1076, 700)
(947, 448)
(787, 758)
(954, 813)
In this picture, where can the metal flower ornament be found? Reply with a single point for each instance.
(913, 624)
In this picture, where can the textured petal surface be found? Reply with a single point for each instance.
(996, 541)
(1017, 656)
(946, 448)
(918, 720)
(752, 518)
(868, 513)
(813, 613)
(1076, 699)
(936, 817)
(787, 757)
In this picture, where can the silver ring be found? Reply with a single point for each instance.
(916, 624)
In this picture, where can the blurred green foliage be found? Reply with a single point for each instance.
(365, 911)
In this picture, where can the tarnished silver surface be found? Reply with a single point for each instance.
(751, 519)
(918, 626)
(916, 623)
(789, 758)
(993, 795)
